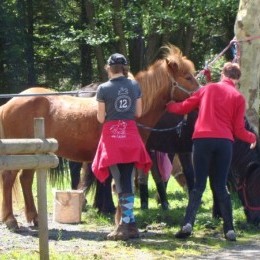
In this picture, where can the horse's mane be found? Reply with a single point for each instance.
(155, 78)
(174, 55)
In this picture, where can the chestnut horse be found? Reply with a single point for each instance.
(72, 120)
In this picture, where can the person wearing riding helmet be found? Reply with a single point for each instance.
(120, 149)
(221, 112)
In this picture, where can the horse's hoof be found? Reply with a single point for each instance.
(12, 225)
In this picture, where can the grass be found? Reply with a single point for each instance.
(207, 236)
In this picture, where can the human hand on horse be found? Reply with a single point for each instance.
(169, 104)
(253, 145)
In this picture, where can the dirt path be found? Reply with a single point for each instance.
(92, 244)
(236, 252)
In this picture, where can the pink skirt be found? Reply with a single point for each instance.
(120, 142)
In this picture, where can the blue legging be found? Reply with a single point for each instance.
(205, 152)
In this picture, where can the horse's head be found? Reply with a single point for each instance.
(88, 90)
(181, 73)
(171, 77)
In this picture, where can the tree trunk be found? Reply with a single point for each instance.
(136, 46)
(152, 48)
(85, 52)
(118, 27)
(98, 48)
(29, 46)
(188, 40)
(247, 25)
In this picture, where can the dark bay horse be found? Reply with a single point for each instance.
(245, 177)
(172, 134)
(72, 120)
(244, 174)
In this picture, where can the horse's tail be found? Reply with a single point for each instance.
(57, 175)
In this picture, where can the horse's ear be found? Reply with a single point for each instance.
(173, 66)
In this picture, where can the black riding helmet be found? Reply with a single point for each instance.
(116, 59)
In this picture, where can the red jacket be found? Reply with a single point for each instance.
(221, 112)
(120, 142)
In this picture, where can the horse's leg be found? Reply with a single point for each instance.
(8, 180)
(103, 197)
(160, 185)
(75, 168)
(143, 189)
(186, 163)
(26, 179)
(177, 171)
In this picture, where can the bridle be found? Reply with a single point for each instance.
(175, 84)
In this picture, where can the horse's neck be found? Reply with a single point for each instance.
(156, 94)
(242, 157)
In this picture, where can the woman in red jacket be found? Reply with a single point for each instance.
(220, 119)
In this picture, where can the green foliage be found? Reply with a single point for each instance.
(61, 28)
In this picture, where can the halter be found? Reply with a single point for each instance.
(175, 84)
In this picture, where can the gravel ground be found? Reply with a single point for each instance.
(241, 252)
(92, 243)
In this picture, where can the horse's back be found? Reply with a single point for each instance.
(71, 120)
(168, 137)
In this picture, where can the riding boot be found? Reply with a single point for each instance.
(143, 190)
(190, 215)
(226, 212)
(162, 195)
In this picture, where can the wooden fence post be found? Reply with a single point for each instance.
(41, 174)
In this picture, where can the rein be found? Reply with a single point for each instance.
(178, 127)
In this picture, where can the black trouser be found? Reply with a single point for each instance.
(204, 151)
